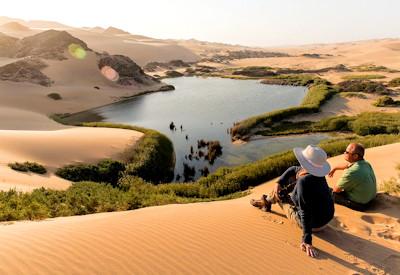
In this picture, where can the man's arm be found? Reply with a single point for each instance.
(341, 166)
(305, 216)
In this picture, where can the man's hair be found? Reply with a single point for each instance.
(359, 150)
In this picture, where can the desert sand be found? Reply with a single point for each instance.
(56, 148)
(225, 237)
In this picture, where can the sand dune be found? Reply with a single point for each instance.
(57, 148)
(227, 237)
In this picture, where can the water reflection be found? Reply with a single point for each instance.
(205, 108)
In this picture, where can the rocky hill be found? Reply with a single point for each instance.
(49, 44)
(26, 70)
(128, 71)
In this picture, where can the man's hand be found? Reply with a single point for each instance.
(332, 172)
(309, 249)
(277, 189)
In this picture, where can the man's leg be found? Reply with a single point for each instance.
(341, 198)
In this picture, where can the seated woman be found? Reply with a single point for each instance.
(303, 193)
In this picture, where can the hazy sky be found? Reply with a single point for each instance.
(247, 22)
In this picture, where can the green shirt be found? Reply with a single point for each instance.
(359, 183)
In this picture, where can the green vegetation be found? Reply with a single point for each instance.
(133, 192)
(363, 77)
(391, 186)
(295, 80)
(362, 124)
(386, 101)
(362, 86)
(395, 82)
(28, 167)
(357, 95)
(254, 71)
(152, 150)
(372, 68)
(108, 171)
(55, 96)
(316, 96)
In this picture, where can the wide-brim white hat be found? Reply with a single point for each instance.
(313, 159)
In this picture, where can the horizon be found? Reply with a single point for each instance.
(247, 22)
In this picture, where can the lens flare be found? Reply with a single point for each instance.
(110, 73)
(76, 51)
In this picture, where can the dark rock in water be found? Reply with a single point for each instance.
(178, 177)
(172, 126)
(8, 45)
(26, 70)
(97, 87)
(129, 72)
(166, 88)
(205, 171)
(188, 172)
(173, 74)
(214, 151)
(49, 44)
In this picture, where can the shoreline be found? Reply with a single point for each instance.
(67, 118)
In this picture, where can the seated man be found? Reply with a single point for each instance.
(357, 186)
(304, 195)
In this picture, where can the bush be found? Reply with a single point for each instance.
(133, 192)
(363, 77)
(152, 158)
(28, 167)
(364, 86)
(376, 123)
(79, 172)
(385, 101)
(395, 82)
(316, 96)
(54, 96)
(107, 171)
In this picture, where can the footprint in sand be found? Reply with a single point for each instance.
(385, 227)
(351, 225)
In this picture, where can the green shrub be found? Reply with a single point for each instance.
(295, 80)
(372, 68)
(28, 167)
(376, 123)
(107, 171)
(152, 158)
(133, 192)
(395, 82)
(316, 96)
(385, 101)
(357, 95)
(55, 96)
(363, 77)
(363, 86)
(79, 172)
